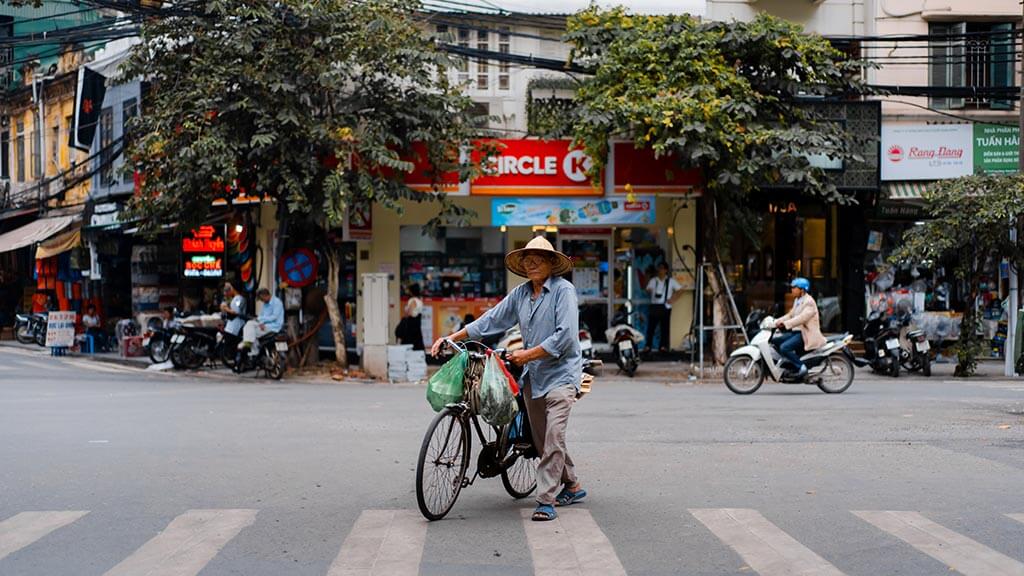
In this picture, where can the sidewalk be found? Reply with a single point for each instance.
(663, 371)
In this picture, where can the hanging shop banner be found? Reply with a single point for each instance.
(60, 329)
(927, 151)
(358, 224)
(535, 168)
(571, 211)
(202, 253)
(996, 149)
(639, 170)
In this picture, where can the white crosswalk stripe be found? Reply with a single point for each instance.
(570, 545)
(382, 543)
(22, 529)
(959, 552)
(1017, 517)
(188, 543)
(762, 545)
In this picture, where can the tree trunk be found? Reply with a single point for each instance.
(331, 299)
(719, 315)
(719, 302)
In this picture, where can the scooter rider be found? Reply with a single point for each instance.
(803, 320)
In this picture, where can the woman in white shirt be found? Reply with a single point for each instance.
(663, 290)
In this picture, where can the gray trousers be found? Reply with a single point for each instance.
(549, 417)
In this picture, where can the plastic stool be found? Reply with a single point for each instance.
(59, 351)
(90, 344)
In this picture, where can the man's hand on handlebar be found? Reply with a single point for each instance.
(435, 350)
(780, 324)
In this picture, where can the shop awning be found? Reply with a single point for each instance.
(34, 232)
(59, 244)
(906, 190)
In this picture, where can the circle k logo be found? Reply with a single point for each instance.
(575, 165)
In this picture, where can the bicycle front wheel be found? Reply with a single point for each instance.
(442, 465)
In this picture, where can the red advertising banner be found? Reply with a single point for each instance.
(643, 173)
(536, 168)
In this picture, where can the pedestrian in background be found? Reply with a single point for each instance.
(664, 290)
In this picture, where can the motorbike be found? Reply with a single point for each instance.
(270, 358)
(625, 341)
(29, 328)
(193, 346)
(881, 344)
(828, 367)
(914, 348)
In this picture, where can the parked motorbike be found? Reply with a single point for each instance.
(914, 348)
(270, 358)
(625, 341)
(29, 328)
(193, 346)
(881, 344)
(828, 367)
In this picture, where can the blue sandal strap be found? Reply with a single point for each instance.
(544, 512)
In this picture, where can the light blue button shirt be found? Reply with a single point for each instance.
(272, 315)
(551, 321)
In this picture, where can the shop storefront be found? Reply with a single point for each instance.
(616, 233)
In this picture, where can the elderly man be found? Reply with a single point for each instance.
(270, 320)
(548, 316)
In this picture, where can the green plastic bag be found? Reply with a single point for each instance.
(445, 386)
(497, 403)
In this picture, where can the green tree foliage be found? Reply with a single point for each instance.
(722, 97)
(970, 224)
(314, 103)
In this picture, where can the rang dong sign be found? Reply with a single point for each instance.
(202, 253)
(927, 151)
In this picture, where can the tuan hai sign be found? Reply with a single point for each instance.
(202, 253)
(927, 151)
(996, 148)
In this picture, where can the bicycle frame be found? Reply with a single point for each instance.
(467, 411)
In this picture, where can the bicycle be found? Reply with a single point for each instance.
(506, 451)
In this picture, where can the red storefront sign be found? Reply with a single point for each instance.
(535, 168)
(420, 177)
(205, 239)
(643, 173)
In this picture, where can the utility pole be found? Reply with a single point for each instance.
(1010, 348)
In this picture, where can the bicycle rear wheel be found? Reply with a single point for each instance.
(442, 465)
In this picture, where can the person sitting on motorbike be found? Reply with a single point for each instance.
(803, 320)
(271, 319)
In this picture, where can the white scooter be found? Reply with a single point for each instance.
(828, 367)
(625, 341)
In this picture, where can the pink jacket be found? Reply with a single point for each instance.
(804, 317)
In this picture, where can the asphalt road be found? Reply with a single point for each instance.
(109, 470)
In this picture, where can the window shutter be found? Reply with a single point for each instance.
(957, 61)
(1001, 59)
(938, 70)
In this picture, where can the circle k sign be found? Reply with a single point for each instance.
(536, 167)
